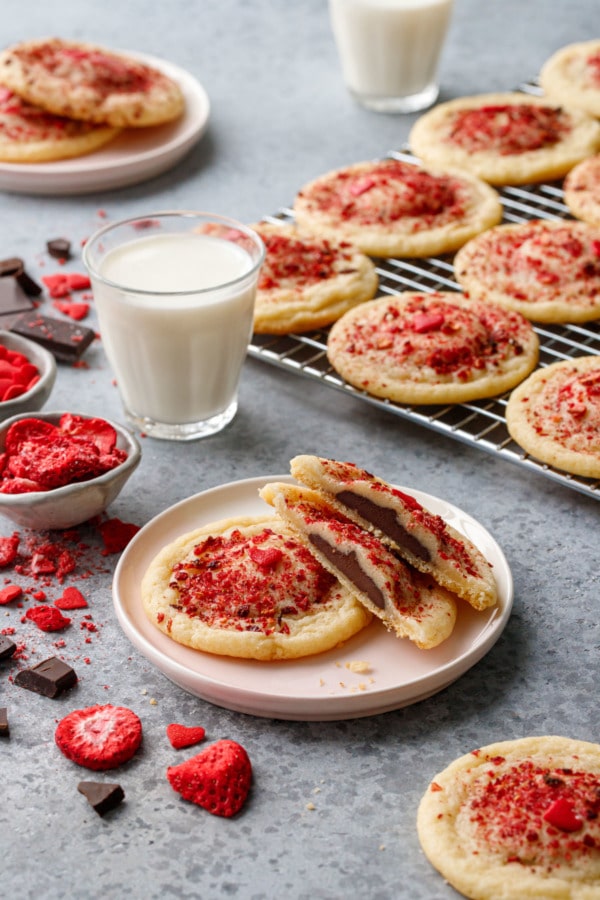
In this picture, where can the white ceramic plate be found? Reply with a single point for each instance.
(316, 688)
(134, 156)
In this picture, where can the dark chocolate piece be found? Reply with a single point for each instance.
(59, 248)
(13, 298)
(48, 678)
(4, 727)
(11, 266)
(101, 796)
(348, 565)
(385, 520)
(7, 647)
(65, 340)
(14, 267)
(31, 287)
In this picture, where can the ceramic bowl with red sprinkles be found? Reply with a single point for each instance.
(60, 469)
(27, 375)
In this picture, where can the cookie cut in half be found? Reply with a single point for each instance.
(425, 540)
(409, 603)
(572, 76)
(517, 819)
(555, 415)
(506, 138)
(248, 588)
(395, 208)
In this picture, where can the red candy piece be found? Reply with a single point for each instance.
(99, 737)
(47, 618)
(9, 593)
(183, 736)
(562, 816)
(72, 598)
(217, 779)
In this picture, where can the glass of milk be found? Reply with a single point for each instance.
(174, 294)
(390, 50)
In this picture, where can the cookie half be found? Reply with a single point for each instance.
(432, 348)
(425, 540)
(410, 604)
(506, 138)
(248, 588)
(395, 208)
(555, 415)
(572, 76)
(517, 819)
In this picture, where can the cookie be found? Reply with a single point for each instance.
(509, 138)
(517, 819)
(425, 540)
(581, 190)
(28, 134)
(306, 282)
(547, 270)
(555, 415)
(84, 81)
(572, 76)
(248, 588)
(394, 208)
(410, 604)
(432, 348)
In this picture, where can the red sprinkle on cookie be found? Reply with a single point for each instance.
(99, 737)
(217, 779)
(183, 736)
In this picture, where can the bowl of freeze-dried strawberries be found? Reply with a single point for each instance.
(59, 469)
(27, 375)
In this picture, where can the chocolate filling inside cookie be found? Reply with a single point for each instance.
(386, 521)
(348, 565)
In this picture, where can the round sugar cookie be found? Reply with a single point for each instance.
(581, 190)
(308, 282)
(432, 348)
(572, 76)
(555, 415)
(509, 138)
(84, 81)
(247, 588)
(517, 820)
(28, 134)
(548, 270)
(394, 208)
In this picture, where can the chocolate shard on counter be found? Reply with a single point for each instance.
(59, 248)
(7, 647)
(49, 678)
(102, 796)
(66, 340)
(14, 267)
(4, 727)
(13, 299)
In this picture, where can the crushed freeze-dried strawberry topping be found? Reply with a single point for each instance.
(536, 816)
(294, 263)
(568, 409)
(508, 128)
(593, 67)
(249, 583)
(23, 122)
(392, 191)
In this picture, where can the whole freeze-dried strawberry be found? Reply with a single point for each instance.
(184, 736)
(217, 779)
(99, 737)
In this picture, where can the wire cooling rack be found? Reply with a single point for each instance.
(481, 423)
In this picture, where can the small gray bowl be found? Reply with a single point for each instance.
(46, 364)
(73, 504)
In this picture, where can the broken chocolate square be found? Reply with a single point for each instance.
(48, 678)
(102, 796)
(14, 267)
(13, 298)
(59, 248)
(7, 647)
(65, 340)
(4, 727)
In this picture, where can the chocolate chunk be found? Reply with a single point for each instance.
(59, 248)
(4, 728)
(385, 520)
(348, 565)
(14, 267)
(13, 298)
(67, 341)
(11, 266)
(102, 796)
(48, 678)
(7, 647)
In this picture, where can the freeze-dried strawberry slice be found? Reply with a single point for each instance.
(217, 779)
(9, 547)
(184, 736)
(47, 618)
(116, 535)
(55, 463)
(99, 431)
(99, 737)
(72, 598)
(28, 430)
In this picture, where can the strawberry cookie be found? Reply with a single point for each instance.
(509, 138)
(572, 75)
(308, 282)
(547, 270)
(432, 348)
(83, 81)
(394, 208)
(517, 819)
(29, 134)
(248, 588)
(581, 190)
(555, 415)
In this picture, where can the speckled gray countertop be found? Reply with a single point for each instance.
(332, 809)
